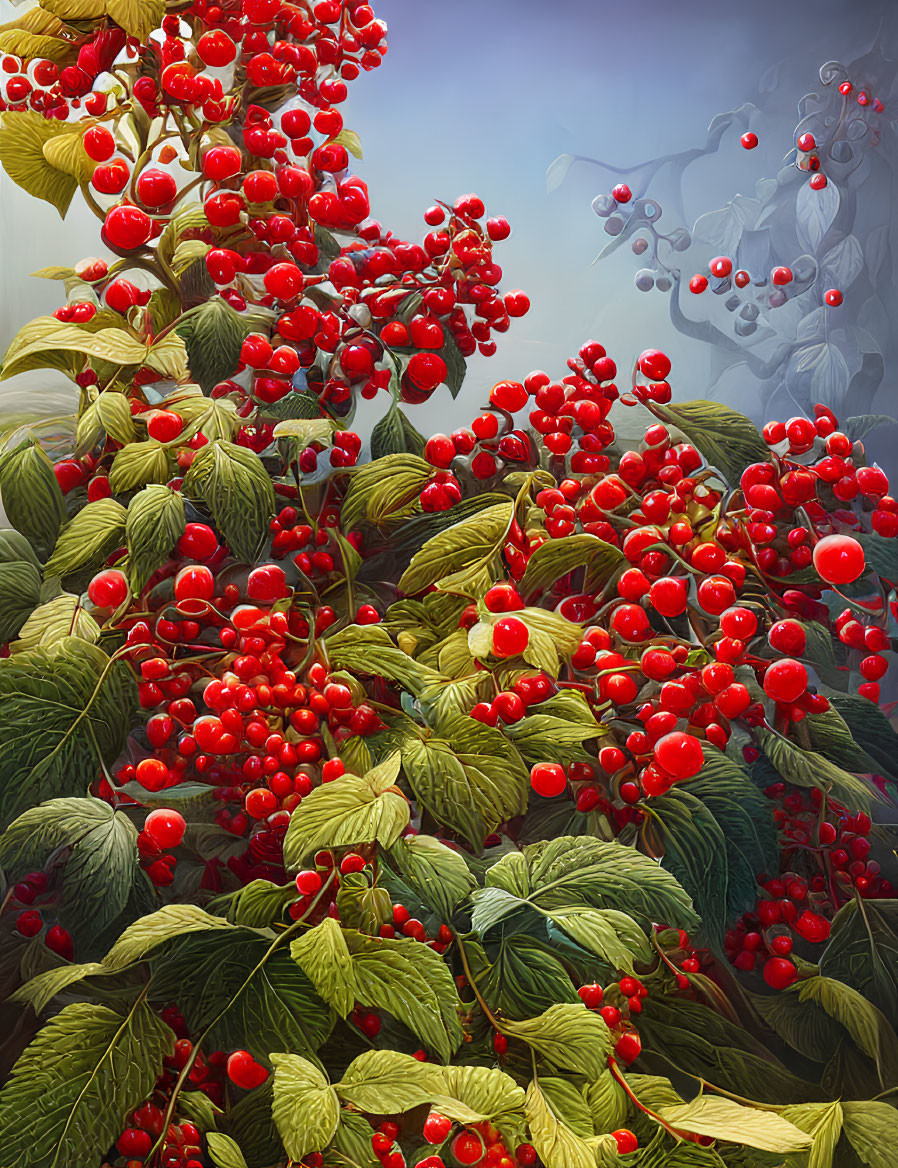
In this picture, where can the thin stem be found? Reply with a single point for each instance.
(494, 1021)
(619, 1078)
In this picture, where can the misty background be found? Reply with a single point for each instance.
(483, 96)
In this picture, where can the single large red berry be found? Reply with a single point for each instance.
(198, 542)
(127, 227)
(679, 754)
(839, 559)
(267, 583)
(787, 636)
(134, 1143)
(780, 973)
(625, 1140)
(156, 187)
(785, 680)
(436, 1127)
(193, 584)
(510, 637)
(654, 364)
(467, 1148)
(548, 779)
(108, 589)
(244, 1071)
(165, 827)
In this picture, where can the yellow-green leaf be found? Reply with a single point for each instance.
(324, 958)
(22, 139)
(139, 463)
(66, 152)
(155, 522)
(305, 1107)
(569, 1036)
(722, 1119)
(384, 1082)
(31, 496)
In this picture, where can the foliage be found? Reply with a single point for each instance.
(502, 794)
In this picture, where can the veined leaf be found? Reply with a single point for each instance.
(349, 811)
(154, 524)
(412, 983)
(384, 1082)
(140, 463)
(556, 1145)
(236, 487)
(863, 952)
(867, 1026)
(821, 1121)
(95, 531)
(557, 557)
(23, 136)
(385, 490)
(169, 923)
(569, 1036)
(31, 496)
(478, 1094)
(464, 556)
(20, 591)
(72, 1089)
(872, 1130)
(434, 871)
(42, 989)
(325, 959)
(101, 866)
(722, 1119)
(570, 871)
(610, 934)
(213, 333)
(63, 710)
(470, 779)
(806, 768)
(224, 1151)
(305, 1106)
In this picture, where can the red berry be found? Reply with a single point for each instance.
(436, 1127)
(134, 1142)
(308, 882)
(468, 1148)
(244, 1071)
(127, 227)
(749, 140)
(510, 637)
(780, 973)
(785, 680)
(625, 1140)
(679, 754)
(654, 364)
(839, 559)
(548, 779)
(165, 827)
(108, 589)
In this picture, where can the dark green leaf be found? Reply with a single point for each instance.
(806, 768)
(523, 979)
(237, 489)
(20, 591)
(63, 710)
(863, 952)
(32, 498)
(394, 434)
(214, 333)
(871, 729)
(71, 1091)
(439, 875)
(93, 533)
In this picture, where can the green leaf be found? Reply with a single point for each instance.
(524, 979)
(137, 17)
(154, 524)
(858, 427)
(803, 1024)
(806, 768)
(325, 959)
(271, 1001)
(556, 1145)
(100, 867)
(386, 490)
(725, 438)
(369, 650)
(385, 1082)
(412, 983)
(42, 989)
(872, 1130)
(108, 415)
(746, 819)
(456, 366)
(224, 1152)
(95, 531)
(438, 875)
(56, 622)
(551, 638)
(722, 1119)
(258, 904)
(571, 871)
(469, 780)
(305, 1108)
(249, 1122)
(557, 729)
(63, 711)
(22, 139)
(831, 737)
(362, 905)
(348, 812)
(568, 1104)
(610, 934)
(20, 591)
(871, 727)
(71, 1091)
(822, 1121)
(171, 922)
(139, 463)
(394, 434)
(867, 1026)
(32, 498)
(607, 1102)
(464, 556)
(695, 852)
(214, 334)
(569, 1036)
(557, 557)
(863, 952)
(881, 554)
(236, 487)
(478, 1094)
